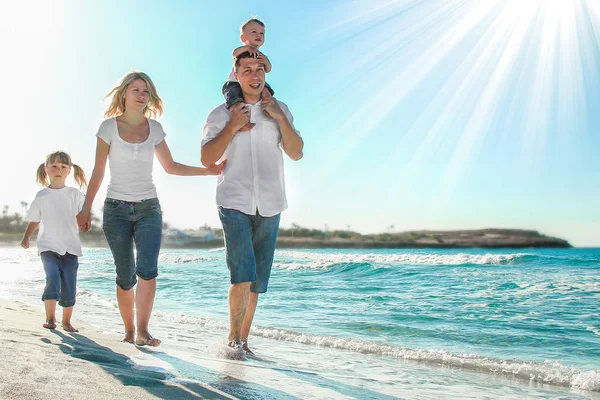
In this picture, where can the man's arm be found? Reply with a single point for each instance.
(212, 151)
(291, 142)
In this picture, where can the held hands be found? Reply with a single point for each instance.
(216, 169)
(271, 107)
(240, 116)
(84, 220)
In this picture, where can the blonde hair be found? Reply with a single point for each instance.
(117, 104)
(249, 21)
(63, 158)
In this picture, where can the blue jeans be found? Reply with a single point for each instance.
(249, 246)
(126, 222)
(61, 277)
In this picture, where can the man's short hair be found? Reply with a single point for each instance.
(243, 55)
(249, 21)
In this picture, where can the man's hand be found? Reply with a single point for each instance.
(240, 116)
(25, 243)
(271, 108)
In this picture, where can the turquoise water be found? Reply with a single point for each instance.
(526, 317)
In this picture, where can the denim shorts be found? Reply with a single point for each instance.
(125, 223)
(61, 277)
(249, 246)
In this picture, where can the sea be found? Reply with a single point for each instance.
(363, 324)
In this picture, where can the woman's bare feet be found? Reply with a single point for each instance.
(146, 339)
(68, 327)
(50, 324)
(129, 337)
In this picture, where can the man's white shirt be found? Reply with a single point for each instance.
(253, 179)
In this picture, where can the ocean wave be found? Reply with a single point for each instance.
(307, 260)
(550, 372)
(166, 258)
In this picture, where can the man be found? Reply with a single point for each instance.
(251, 189)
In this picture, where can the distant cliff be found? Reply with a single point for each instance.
(482, 238)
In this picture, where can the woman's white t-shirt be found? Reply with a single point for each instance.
(130, 163)
(57, 211)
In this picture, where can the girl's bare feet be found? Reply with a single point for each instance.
(50, 324)
(68, 327)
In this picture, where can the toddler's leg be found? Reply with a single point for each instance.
(267, 91)
(233, 94)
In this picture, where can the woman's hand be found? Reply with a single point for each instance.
(216, 169)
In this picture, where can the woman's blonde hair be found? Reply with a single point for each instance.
(117, 104)
(63, 158)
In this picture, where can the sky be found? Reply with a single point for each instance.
(416, 114)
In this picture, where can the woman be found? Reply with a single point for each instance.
(129, 139)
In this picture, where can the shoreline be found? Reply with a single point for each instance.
(86, 364)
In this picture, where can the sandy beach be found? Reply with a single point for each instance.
(41, 363)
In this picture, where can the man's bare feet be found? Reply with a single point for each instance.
(245, 347)
(147, 340)
(247, 127)
(50, 324)
(129, 337)
(68, 327)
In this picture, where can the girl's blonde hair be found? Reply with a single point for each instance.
(63, 158)
(117, 104)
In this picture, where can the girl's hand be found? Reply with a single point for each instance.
(216, 169)
(84, 220)
(25, 243)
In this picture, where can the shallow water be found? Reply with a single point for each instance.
(366, 323)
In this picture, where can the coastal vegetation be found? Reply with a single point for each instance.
(12, 226)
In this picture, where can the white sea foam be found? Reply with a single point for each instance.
(180, 318)
(310, 260)
(167, 258)
(551, 372)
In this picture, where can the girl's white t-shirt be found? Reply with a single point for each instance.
(57, 211)
(130, 163)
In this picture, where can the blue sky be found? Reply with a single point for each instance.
(438, 114)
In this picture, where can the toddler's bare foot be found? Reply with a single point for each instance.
(50, 324)
(247, 127)
(68, 327)
(147, 340)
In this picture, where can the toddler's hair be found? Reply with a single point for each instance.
(117, 104)
(63, 158)
(250, 20)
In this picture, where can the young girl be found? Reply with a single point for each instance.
(56, 208)
(129, 139)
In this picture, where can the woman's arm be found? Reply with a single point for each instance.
(174, 168)
(28, 232)
(85, 216)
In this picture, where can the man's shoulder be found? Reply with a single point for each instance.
(220, 112)
(282, 104)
